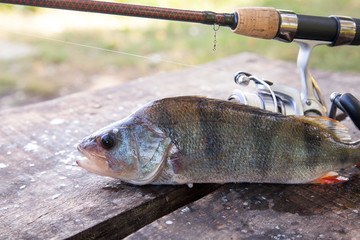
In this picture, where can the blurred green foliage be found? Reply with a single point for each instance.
(187, 43)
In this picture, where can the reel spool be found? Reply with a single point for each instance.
(267, 96)
(287, 101)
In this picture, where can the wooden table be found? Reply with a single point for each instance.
(45, 195)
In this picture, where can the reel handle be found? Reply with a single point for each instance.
(352, 107)
(347, 103)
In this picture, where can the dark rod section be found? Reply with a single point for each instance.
(222, 19)
(322, 29)
(356, 40)
(316, 28)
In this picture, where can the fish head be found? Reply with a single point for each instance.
(96, 149)
(127, 150)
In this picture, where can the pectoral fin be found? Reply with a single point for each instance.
(330, 178)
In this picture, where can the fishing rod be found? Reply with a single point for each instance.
(260, 22)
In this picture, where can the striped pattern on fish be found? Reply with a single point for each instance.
(185, 140)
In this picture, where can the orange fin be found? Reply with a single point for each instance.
(330, 178)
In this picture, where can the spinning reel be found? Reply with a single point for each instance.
(289, 101)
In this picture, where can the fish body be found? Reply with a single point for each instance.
(186, 140)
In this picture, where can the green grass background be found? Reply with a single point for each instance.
(186, 43)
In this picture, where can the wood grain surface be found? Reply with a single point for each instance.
(265, 211)
(45, 195)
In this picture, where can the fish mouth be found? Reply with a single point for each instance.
(91, 155)
(80, 149)
(93, 162)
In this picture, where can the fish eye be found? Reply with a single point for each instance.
(107, 141)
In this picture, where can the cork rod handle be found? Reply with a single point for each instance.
(257, 22)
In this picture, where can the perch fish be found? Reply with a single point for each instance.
(185, 140)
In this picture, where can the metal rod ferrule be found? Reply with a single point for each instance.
(346, 30)
(288, 26)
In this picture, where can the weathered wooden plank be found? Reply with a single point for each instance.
(265, 211)
(128, 222)
(44, 195)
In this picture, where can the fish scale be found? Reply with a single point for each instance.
(211, 140)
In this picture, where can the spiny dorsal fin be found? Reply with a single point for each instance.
(335, 127)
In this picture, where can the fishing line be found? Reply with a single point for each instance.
(151, 59)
